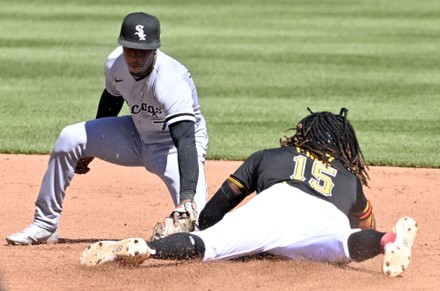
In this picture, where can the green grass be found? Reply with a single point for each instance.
(257, 64)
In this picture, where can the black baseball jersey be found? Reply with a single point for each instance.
(297, 168)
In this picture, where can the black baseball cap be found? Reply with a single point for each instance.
(140, 30)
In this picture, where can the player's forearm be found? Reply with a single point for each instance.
(224, 200)
(188, 170)
(184, 139)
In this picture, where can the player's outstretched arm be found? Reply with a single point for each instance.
(224, 200)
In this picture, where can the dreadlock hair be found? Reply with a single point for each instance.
(325, 136)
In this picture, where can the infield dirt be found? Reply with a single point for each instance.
(113, 202)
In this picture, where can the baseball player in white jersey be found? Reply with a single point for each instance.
(165, 131)
(310, 205)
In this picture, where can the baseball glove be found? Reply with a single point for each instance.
(82, 167)
(182, 219)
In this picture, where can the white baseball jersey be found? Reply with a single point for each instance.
(167, 96)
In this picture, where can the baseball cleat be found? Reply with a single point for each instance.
(397, 246)
(32, 235)
(132, 251)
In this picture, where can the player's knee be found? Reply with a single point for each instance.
(69, 139)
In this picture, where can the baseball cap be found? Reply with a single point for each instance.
(140, 30)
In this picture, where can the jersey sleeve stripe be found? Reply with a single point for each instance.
(180, 117)
(236, 182)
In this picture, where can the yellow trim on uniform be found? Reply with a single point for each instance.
(236, 182)
(367, 206)
(366, 218)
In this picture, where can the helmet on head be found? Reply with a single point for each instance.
(140, 31)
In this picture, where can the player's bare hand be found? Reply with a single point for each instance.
(82, 167)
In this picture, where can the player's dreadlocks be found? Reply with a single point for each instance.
(325, 135)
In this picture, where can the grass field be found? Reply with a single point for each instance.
(258, 65)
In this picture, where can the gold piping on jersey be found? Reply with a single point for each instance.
(366, 216)
(236, 183)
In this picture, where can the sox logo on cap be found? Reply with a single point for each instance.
(140, 32)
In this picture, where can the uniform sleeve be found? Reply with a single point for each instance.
(247, 173)
(183, 137)
(236, 187)
(224, 200)
(361, 215)
(109, 105)
(109, 85)
(177, 102)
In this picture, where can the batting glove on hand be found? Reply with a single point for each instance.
(182, 219)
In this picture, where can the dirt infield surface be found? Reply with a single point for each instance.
(134, 200)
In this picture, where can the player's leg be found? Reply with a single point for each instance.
(281, 220)
(113, 139)
(201, 196)
(396, 245)
(364, 244)
(134, 251)
(201, 136)
(162, 161)
(178, 246)
(275, 221)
